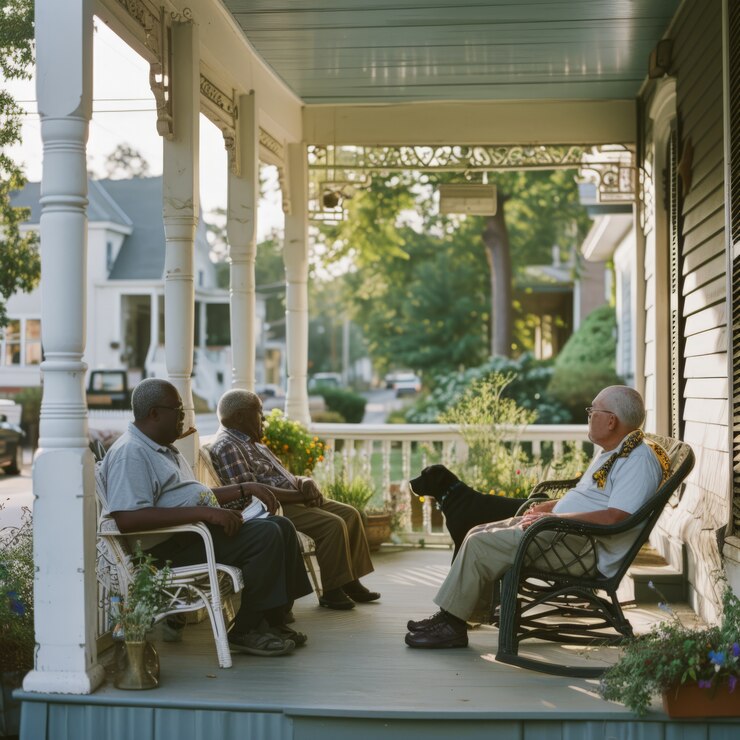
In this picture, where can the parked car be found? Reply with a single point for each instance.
(11, 440)
(333, 380)
(406, 384)
(108, 389)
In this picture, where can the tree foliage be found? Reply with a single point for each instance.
(20, 266)
(125, 162)
(420, 287)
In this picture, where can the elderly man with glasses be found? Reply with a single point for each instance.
(149, 486)
(620, 479)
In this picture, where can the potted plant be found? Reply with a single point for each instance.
(17, 639)
(291, 443)
(358, 491)
(696, 669)
(134, 615)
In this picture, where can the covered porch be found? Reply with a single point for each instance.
(585, 85)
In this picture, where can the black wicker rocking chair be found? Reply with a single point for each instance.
(579, 606)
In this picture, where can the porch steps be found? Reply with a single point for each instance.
(650, 567)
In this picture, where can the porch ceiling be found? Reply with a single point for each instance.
(379, 51)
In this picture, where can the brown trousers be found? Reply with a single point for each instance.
(341, 545)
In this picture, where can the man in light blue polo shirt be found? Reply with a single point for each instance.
(149, 485)
(617, 483)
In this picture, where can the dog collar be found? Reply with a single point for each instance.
(439, 500)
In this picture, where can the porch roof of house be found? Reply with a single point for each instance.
(346, 51)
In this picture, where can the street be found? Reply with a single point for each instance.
(16, 491)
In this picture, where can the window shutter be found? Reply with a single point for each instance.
(673, 197)
(734, 198)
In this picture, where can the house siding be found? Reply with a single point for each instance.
(704, 506)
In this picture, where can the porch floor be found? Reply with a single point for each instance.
(356, 668)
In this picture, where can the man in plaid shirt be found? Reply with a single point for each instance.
(341, 546)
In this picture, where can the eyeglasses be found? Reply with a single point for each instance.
(590, 411)
(180, 409)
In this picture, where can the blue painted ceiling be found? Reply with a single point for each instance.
(375, 51)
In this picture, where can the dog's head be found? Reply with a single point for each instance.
(434, 481)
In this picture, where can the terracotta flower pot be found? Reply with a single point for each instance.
(688, 700)
(377, 530)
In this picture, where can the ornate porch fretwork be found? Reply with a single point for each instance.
(283, 183)
(647, 197)
(221, 108)
(152, 29)
(271, 145)
(337, 171)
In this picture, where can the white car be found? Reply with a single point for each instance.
(406, 384)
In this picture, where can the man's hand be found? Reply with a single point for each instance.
(264, 494)
(229, 519)
(311, 493)
(543, 506)
(533, 516)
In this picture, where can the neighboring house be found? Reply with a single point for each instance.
(612, 237)
(559, 296)
(125, 309)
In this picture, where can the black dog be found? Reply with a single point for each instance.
(463, 506)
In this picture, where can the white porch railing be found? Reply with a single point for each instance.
(400, 451)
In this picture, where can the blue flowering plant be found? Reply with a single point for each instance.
(17, 640)
(672, 654)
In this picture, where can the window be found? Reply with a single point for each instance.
(20, 344)
(12, 343)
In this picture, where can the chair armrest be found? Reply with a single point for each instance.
(545, 488)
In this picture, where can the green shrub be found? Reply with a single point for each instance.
(490, 424)
(328, 417)
(17, 640)
(292, 443)
(586, 364)
(350, 405)
(528, 386)
(357, 492)
(30, 400)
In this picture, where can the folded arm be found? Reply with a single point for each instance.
(602, 516)
(135, 520)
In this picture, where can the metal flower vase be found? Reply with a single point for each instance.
(139, 667)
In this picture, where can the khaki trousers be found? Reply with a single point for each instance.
(487, 552)
(341, 545)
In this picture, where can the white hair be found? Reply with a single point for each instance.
(235, 401)
(148, 394)
(625, 403)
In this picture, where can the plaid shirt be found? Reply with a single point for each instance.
(238, 459)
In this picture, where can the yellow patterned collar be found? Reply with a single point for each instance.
(631, 441)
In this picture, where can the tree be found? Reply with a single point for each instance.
(20, 266)
(126, 162)
(427, 295)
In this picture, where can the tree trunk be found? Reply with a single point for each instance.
(496, 242)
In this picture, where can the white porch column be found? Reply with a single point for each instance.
(180, 207)
(202, 318)
(241, 229)
(295, 254)
(65, 592)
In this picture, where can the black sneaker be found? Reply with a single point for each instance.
(424, 624)
(444, 634)
(357, 592)
(336, 599)
(259, 643)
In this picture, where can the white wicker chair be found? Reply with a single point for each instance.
(206, 473)
(205, 585)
